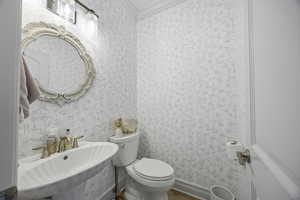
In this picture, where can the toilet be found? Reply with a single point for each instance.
(148, 179)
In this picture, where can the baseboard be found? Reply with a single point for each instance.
(109, 194)
(191, 189)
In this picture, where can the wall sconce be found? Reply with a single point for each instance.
(64, 8)
(92, 23)
(67, 9)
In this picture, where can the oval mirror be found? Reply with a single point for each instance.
(58, 61)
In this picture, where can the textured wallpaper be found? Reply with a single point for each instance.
(112, 95)
(188, 89)
(189, 92)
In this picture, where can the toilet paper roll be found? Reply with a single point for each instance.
(232, 147)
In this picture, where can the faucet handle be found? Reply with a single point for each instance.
(53, 137)
(62, 144)
(52, 144)
(63, 137)
(38, 148)
(75, 141)
(44, 153)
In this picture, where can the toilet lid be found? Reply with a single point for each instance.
(152, 169)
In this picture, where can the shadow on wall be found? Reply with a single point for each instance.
(144, 147)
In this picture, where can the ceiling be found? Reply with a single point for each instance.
(143, 5)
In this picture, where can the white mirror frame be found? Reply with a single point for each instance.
(32, 32)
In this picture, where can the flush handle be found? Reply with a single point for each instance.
(244, 157)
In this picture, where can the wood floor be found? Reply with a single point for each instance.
(174, 195)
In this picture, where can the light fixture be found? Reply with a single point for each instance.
(91, 24)
(64, 8)
(67, 9)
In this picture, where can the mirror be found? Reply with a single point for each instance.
(55, 64)
(58, 61)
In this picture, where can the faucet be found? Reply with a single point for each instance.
(68, 142)
(65, 143)
(50, 147)
(52, 142)
(75, 142)
(44, 153)
(55, 145)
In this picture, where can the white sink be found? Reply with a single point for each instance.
(40, 178)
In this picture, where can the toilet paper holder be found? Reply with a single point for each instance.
(244, 157)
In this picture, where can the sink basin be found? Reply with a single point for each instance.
(41, 178)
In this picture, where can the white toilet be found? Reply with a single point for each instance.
(150, 179)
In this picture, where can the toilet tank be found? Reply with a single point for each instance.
(128, 149)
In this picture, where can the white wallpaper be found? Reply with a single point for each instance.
(112, 95)
(50, 59)
(189, 95)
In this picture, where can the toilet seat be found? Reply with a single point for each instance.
(141, 173)
(154, 170)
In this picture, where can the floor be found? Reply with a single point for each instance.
(174, 195)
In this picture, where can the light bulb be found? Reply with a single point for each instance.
(91, 24)
(67, 9)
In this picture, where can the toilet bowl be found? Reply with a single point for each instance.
(148, 179)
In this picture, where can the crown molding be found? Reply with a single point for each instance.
(158, 8)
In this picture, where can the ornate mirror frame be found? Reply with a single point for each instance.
(32, 32)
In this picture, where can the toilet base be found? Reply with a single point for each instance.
(136, 191)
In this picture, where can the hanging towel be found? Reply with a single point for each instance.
(29, 90)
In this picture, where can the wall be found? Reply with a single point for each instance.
(112, 95)
(9, 65)
(192, 89)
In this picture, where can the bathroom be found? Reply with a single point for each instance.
(161, 99)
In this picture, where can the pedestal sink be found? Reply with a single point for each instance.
(42, 178)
